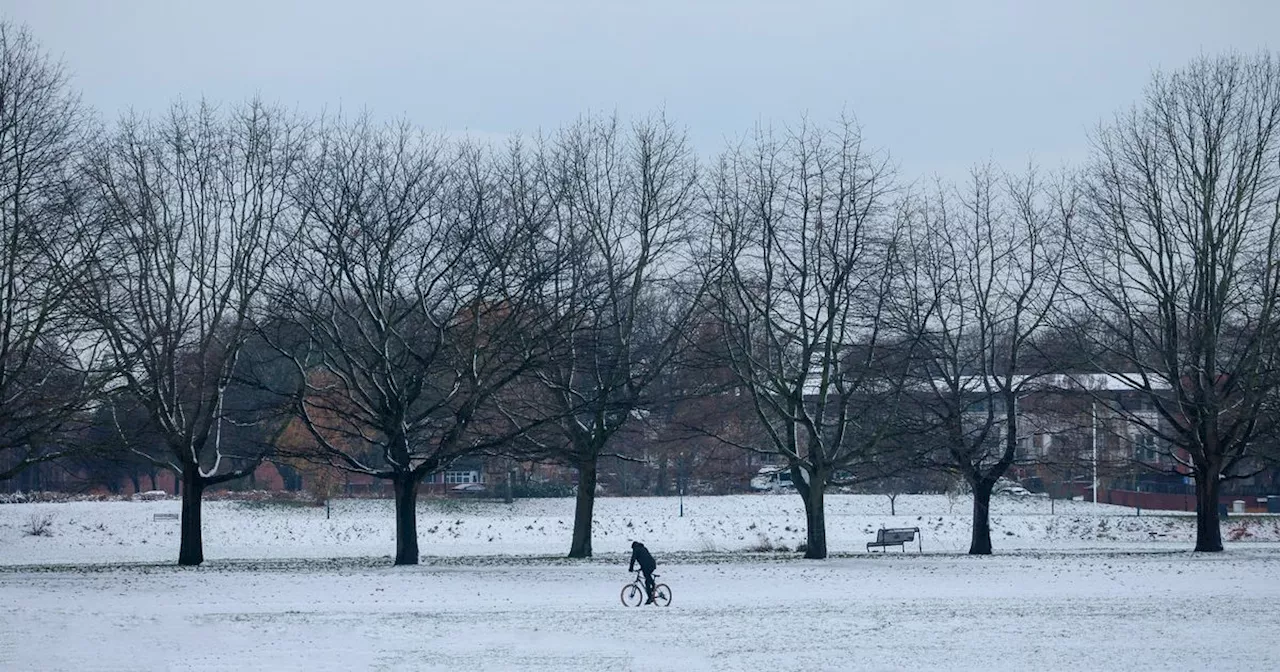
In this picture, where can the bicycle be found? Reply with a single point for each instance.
(633, 594)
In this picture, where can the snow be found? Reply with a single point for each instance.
(1045, 610)
(128, 532)
(1089, 586)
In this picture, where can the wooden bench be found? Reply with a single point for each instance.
(164, 516)
(897, 536)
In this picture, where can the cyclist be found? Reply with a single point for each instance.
(640, 554)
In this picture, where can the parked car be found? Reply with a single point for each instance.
(468, 490)
(772, 479)
(1011, 487)
(1004, 486)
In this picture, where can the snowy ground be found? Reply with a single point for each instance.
(1033, 610)
(127, 531)
(1086, 587)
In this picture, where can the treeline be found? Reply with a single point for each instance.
(187, 289)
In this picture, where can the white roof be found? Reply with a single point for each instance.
(1102, 382)
(1092, 382)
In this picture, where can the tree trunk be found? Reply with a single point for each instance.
(815, 517)
(581, 546)
(660, 489)
(191, 545)
(980, 543)
(406, 493)
(1208, 525)
(507, 495)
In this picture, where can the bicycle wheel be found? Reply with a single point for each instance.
(632, 595)
(662, 595)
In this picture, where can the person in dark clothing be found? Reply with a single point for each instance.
(640, 555)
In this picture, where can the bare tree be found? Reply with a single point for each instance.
(986, 270)
(43, 384)
(808, 240)
(623, 207)
(1179, 265)
(191, 214)
(409, 293)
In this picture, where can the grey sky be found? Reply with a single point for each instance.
(941, 85)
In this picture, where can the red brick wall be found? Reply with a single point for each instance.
(1169, 502)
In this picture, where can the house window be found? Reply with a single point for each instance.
(1145, 449)
(1033, 446)
(1139, 402)
(453, 477)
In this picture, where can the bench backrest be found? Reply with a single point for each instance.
(896, 535)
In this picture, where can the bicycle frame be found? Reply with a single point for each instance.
(639, 580)
(660, 589)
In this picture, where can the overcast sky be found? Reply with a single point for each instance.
(940, 85)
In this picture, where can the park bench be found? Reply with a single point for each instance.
(164, 516)
(897, 536)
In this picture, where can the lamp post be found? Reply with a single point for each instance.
(1093, 408)
(681, 473)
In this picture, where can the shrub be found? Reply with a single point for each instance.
(39, 525)
(44, 496)
(285, 497)
(1238, 532)
(538, 490)
(762, 545)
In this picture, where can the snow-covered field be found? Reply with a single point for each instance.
(1030, 611)
(1089, 587)
(127, 531)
